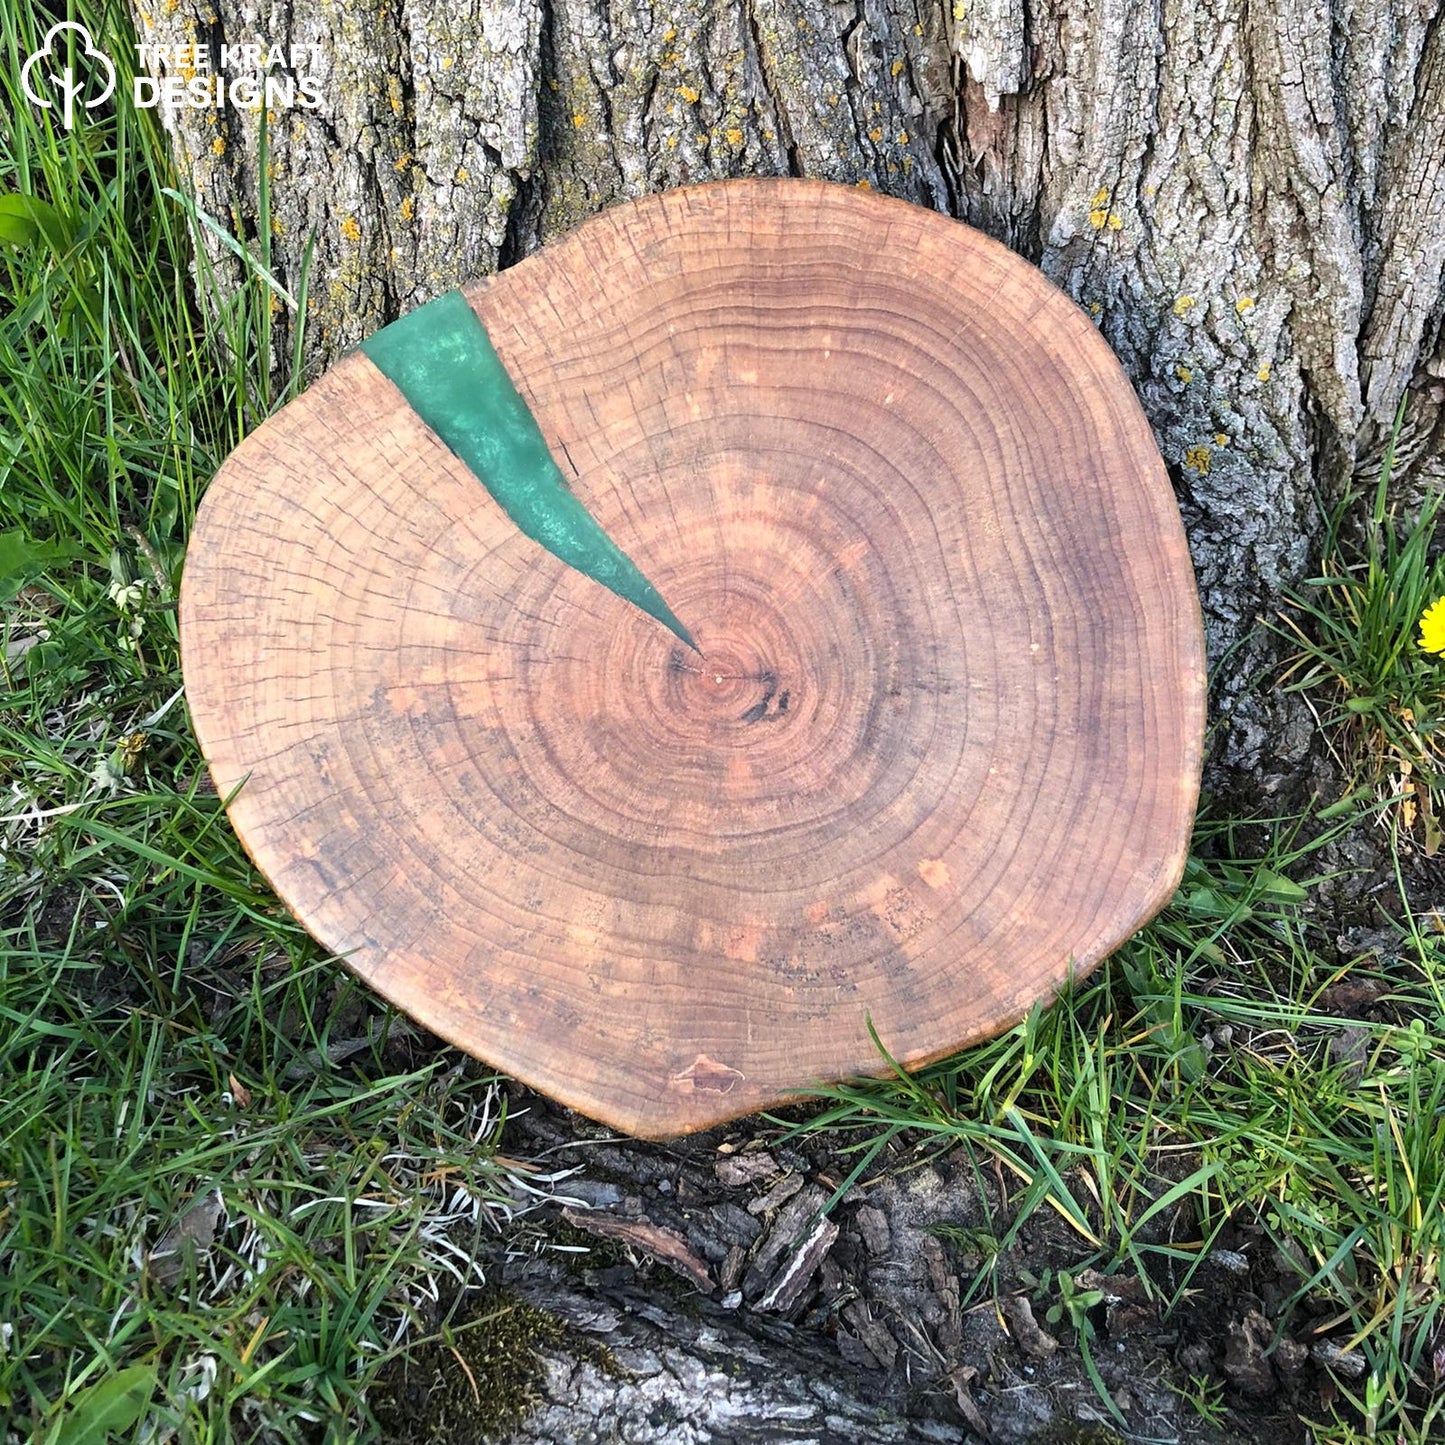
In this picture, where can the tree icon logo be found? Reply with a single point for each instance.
(57, 76)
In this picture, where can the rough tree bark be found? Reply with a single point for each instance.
(1249, 198)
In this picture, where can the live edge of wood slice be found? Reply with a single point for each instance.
(939, 755)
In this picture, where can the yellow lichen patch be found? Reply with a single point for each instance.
(897, 68)
(734, 136)
(578, 119)
(462, 176)
(277, 226)
(1184, 374)
(960, 10)
(1197, 460)
(865, 185)
(349, 229)
(218, 147)
(690, 95)
(1263, 374)
(1183, 305)
(1094, 308)
(1221, 439)
(876, 134)
(1245, 303)
(403, 163)
(902, 137)
(448, 61)
(1099, 213)
(669, 35)
(408, 209)
(671, 142)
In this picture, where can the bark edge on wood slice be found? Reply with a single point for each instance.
(941, 754)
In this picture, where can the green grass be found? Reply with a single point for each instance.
(1357, 629)
(181, 1065)
(166, 1031)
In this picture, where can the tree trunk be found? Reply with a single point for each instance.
(1248, 198)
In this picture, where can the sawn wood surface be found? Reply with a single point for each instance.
(941, 751)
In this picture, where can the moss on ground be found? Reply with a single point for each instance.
(1070, 1432)
(478, 1380)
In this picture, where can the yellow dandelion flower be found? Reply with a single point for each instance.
(1432, 627)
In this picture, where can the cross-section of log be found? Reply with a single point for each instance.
(940, 751)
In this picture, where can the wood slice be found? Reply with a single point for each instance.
(942, 750)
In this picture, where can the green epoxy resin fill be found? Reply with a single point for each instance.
(442, 360)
